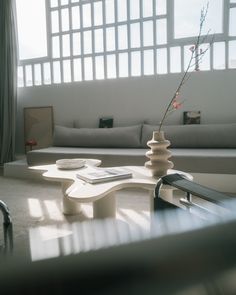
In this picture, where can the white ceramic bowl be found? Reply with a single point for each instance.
(70, 163)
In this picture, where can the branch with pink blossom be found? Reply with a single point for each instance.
(197, 54)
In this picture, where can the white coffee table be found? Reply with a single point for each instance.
(102, 195)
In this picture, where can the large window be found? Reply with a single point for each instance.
(106, 39)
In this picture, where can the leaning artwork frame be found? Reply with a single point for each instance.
(191, 117)
(38, 126)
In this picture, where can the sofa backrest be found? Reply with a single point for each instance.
(137, 136)
(117, 137)
(195, 135)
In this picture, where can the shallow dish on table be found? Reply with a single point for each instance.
(70, 163)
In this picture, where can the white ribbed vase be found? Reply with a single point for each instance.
(158, 155)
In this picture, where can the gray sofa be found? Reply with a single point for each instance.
(195, 148)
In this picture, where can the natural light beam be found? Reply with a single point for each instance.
(35, 208)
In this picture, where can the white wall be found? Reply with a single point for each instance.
(133, 100)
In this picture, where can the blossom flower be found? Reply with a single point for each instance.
(177, 105)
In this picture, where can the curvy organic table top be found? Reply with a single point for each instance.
(84, 192)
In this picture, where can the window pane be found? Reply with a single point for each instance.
(135, 63)
(64, 2)
(54, 3)
(232, 1)
(161, 61)
(98, 15)
(134, 9)
(232, 22)
(28, 75)
(161, 31)
(66, 45)
(219, 55)
(66, 71)
(65, 19)
(88, 68)
(87, 20)
(187, 17)
(123, 65)
(232, 54)
(75, 17)
(56, 72)
(37, 74)
(110, 39)
(76, 44)
(148, 62)
(110, 11)
(55, 47)
(55, 21)
(135, 35)
(187, 57)
(20, 73)
(77, 69)
(111, 66)
(160, 7)
(122, 37)
(204, 63)
(73, 1)
(121, 10)
(147, 8)
(31, 24)
(99, 67)
(175, 59)
(87, 42)
(148, 33)
(98, 40)
(47, 73)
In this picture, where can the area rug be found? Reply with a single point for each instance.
(34, 203)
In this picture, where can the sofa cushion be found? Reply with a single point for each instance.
(195, 136)
(118, 137)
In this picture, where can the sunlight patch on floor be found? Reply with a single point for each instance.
(35, 208)
(140, 218)
(53, 211)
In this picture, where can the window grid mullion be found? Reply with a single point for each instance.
(141, 37)
(24, 75)
(33, 75)
(60, 42)
(104, 38)
(116, 39)
(51, 71)
(71, 43)
(93, 40)
(154, 37)
(129, 39)
(82, 43)
(226, 11)
(227, 55)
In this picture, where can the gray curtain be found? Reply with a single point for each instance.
(8, 79)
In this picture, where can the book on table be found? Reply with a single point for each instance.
(97, 175)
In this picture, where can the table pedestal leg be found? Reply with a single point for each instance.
(105, 207)
(69, 207)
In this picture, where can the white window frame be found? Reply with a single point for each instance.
(84, 58)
